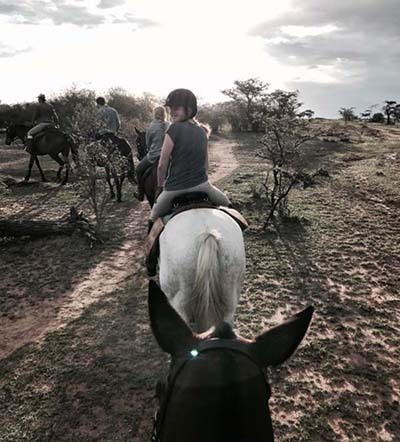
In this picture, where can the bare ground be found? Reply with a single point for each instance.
(48, 289)
(79, 361)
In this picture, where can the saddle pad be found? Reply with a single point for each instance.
(237, 216)
(159, 225)
(45, 131)
(153, 235)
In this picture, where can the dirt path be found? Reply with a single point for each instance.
(35, 322)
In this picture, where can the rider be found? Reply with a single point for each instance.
(108, 118)
(184, 156)
(154, 140)
(44, 116)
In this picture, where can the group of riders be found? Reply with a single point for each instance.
(45, 116)
(178, 147)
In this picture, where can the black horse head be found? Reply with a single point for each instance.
(141, 144)
(11, 133)
(16, 130)
(216, 388)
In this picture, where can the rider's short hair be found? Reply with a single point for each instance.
(101, 101)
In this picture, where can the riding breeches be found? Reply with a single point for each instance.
(164, 200)
(38, 128)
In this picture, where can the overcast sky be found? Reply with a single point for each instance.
(338, 53)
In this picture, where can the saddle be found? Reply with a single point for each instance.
(148, 171)
(182, 203)
(46, 130)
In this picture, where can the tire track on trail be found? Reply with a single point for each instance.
(35, 322)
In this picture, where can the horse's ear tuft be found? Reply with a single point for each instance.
(169, 329)
(276, 345)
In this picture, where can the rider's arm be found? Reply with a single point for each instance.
(148, 138)
(35, 115)
(166, 152)
(55, 116)
(118, 121)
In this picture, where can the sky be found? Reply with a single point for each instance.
(336, 53)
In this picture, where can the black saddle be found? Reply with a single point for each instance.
(188, 199)
(46, 130)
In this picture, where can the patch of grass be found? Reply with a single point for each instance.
(340, 253)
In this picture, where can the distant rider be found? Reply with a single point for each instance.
(108, 118)
(154, 140)
(44, 116)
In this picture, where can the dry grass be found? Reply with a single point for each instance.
(341, 253)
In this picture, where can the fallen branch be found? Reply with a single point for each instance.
(39, 229)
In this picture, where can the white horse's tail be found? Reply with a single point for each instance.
(209, 301)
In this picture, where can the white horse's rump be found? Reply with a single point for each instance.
(202, 266)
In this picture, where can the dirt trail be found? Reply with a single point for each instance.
(49, 315)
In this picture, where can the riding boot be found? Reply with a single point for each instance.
(29, 145)
(140, 191)
(152, 258)
(149, 225)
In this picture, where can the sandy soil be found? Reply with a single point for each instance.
(33, 322)
(80, 363)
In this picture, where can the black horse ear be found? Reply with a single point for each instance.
(137, 130)
(276, 345)
(169, 329)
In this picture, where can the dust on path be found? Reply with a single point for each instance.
(127, 262)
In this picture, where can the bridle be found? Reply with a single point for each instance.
(180, 362)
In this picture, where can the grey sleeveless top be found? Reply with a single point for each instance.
(154, 139)
(188, 162)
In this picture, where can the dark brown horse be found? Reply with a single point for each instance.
(51, 142)
(150, 176)
(124, 149)
(216, 390)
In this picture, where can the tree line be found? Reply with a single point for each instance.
(390, 113)
(248, 103)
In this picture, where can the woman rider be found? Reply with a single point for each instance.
(183, 165)
(154, 141)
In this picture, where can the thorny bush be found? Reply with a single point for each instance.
(282, 147)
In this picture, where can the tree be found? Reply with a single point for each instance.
(281, 147)
(214, 115)
(93, 158)
(138, 108)
(248, 96)
(17, 113)
(378, 117)
(70, 103)
(347, 113)
(284, 104)
(389, 109)
(234, 115)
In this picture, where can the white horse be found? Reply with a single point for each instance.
(202, 266)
